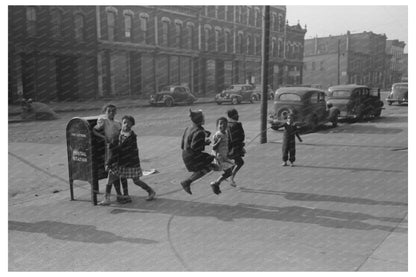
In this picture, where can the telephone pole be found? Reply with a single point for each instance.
(264, 71)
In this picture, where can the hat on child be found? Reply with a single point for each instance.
(196, 117)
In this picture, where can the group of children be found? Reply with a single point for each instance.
(122, 154)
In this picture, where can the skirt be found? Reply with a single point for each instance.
(126, 172)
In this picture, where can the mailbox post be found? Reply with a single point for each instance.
(86, 154)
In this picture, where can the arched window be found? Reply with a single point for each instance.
(56, 21)
(226, 41)
(31, 21)
(217, 39)
(240, 48)
(144, 28)
(207, 34)
(178, 34)
(79, 27)
(165, 33)
(128, 23)
(190, 34)
(248, 45)
(111, 25)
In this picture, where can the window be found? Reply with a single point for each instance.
(111, 20)
(305, 67)
(56, 23)
(207, 34)
(314, 98)
(178, 35)
(190, 37)
(313, 66)
(143, 28)
(248, 45)
(321, 66)
(256, 18)
(31, 21)
(257, 45)
(226, 40)
(79, 27)
(289, 97)
(128, 22)
(274, 49)
(217, 37)
(165, 32)
(240, 44)
(238, 14)
(248, 16)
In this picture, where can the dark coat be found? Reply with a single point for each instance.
(126, 153)
(236, 141)
(192, 145)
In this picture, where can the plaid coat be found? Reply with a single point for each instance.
(124, 154)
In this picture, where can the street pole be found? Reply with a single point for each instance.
(264, 72)
(339, 56)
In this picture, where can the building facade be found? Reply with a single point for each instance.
(132, 51)
(347, 59)
(396, 69)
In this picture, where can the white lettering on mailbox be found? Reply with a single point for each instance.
(78, 135)
(79, 156)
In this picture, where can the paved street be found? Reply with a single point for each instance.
(343, 207)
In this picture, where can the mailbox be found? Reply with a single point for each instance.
(86, 154)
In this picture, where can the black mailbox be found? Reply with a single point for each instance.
(86, 154)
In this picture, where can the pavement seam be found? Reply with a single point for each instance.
(374, 250)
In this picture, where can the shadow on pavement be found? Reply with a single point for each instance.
(361, 129)
(299, 196)
(72, 232)
(297, 214)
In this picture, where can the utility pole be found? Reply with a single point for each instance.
(264, 71)
(339, 56)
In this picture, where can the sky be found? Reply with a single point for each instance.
(327, 20)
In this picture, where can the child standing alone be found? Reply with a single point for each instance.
(124, 160)
(289, 143)
(220, 148)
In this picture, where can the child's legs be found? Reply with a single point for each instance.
(285, 153)
(142, 184)
(112, 179)
(197, 174)
(124, 185)
(239, 162)
(227, 173)
(292, 154)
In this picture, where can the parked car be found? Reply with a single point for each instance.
(235, 94)
(307, 104)
(172, 95)
(355, 101)
(398, 94)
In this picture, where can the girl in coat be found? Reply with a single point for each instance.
(236, 143)
(124, 160)
(194, 140)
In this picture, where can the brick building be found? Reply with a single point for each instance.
(396, 67)
(65, 53)
(346, 59)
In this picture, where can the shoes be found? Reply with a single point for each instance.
(284, 164)
(127, 199)
(106, 201)
(216, 187)
(292, 165)
(121, 199)
(151, 196)
(233, 184)
(186, 185)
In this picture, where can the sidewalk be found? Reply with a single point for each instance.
(290, 221)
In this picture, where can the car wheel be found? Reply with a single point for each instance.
(234, 101)
(399, 102)
(168, 102)
(283, 113)
(253, 99)
(389, 102)
(219, 102)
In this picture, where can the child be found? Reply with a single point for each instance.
(124, 160)
(111, 129)
(193, 144)
(289, 143)
(220, 148)
(236, 143)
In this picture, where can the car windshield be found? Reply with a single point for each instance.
(341, 93)
(289, 97)
(401, 86)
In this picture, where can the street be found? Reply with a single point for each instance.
(338, 209)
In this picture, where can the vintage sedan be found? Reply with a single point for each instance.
(355, 101)
(308, 105)
(172, 95)
(398, 94)
(235, 94)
